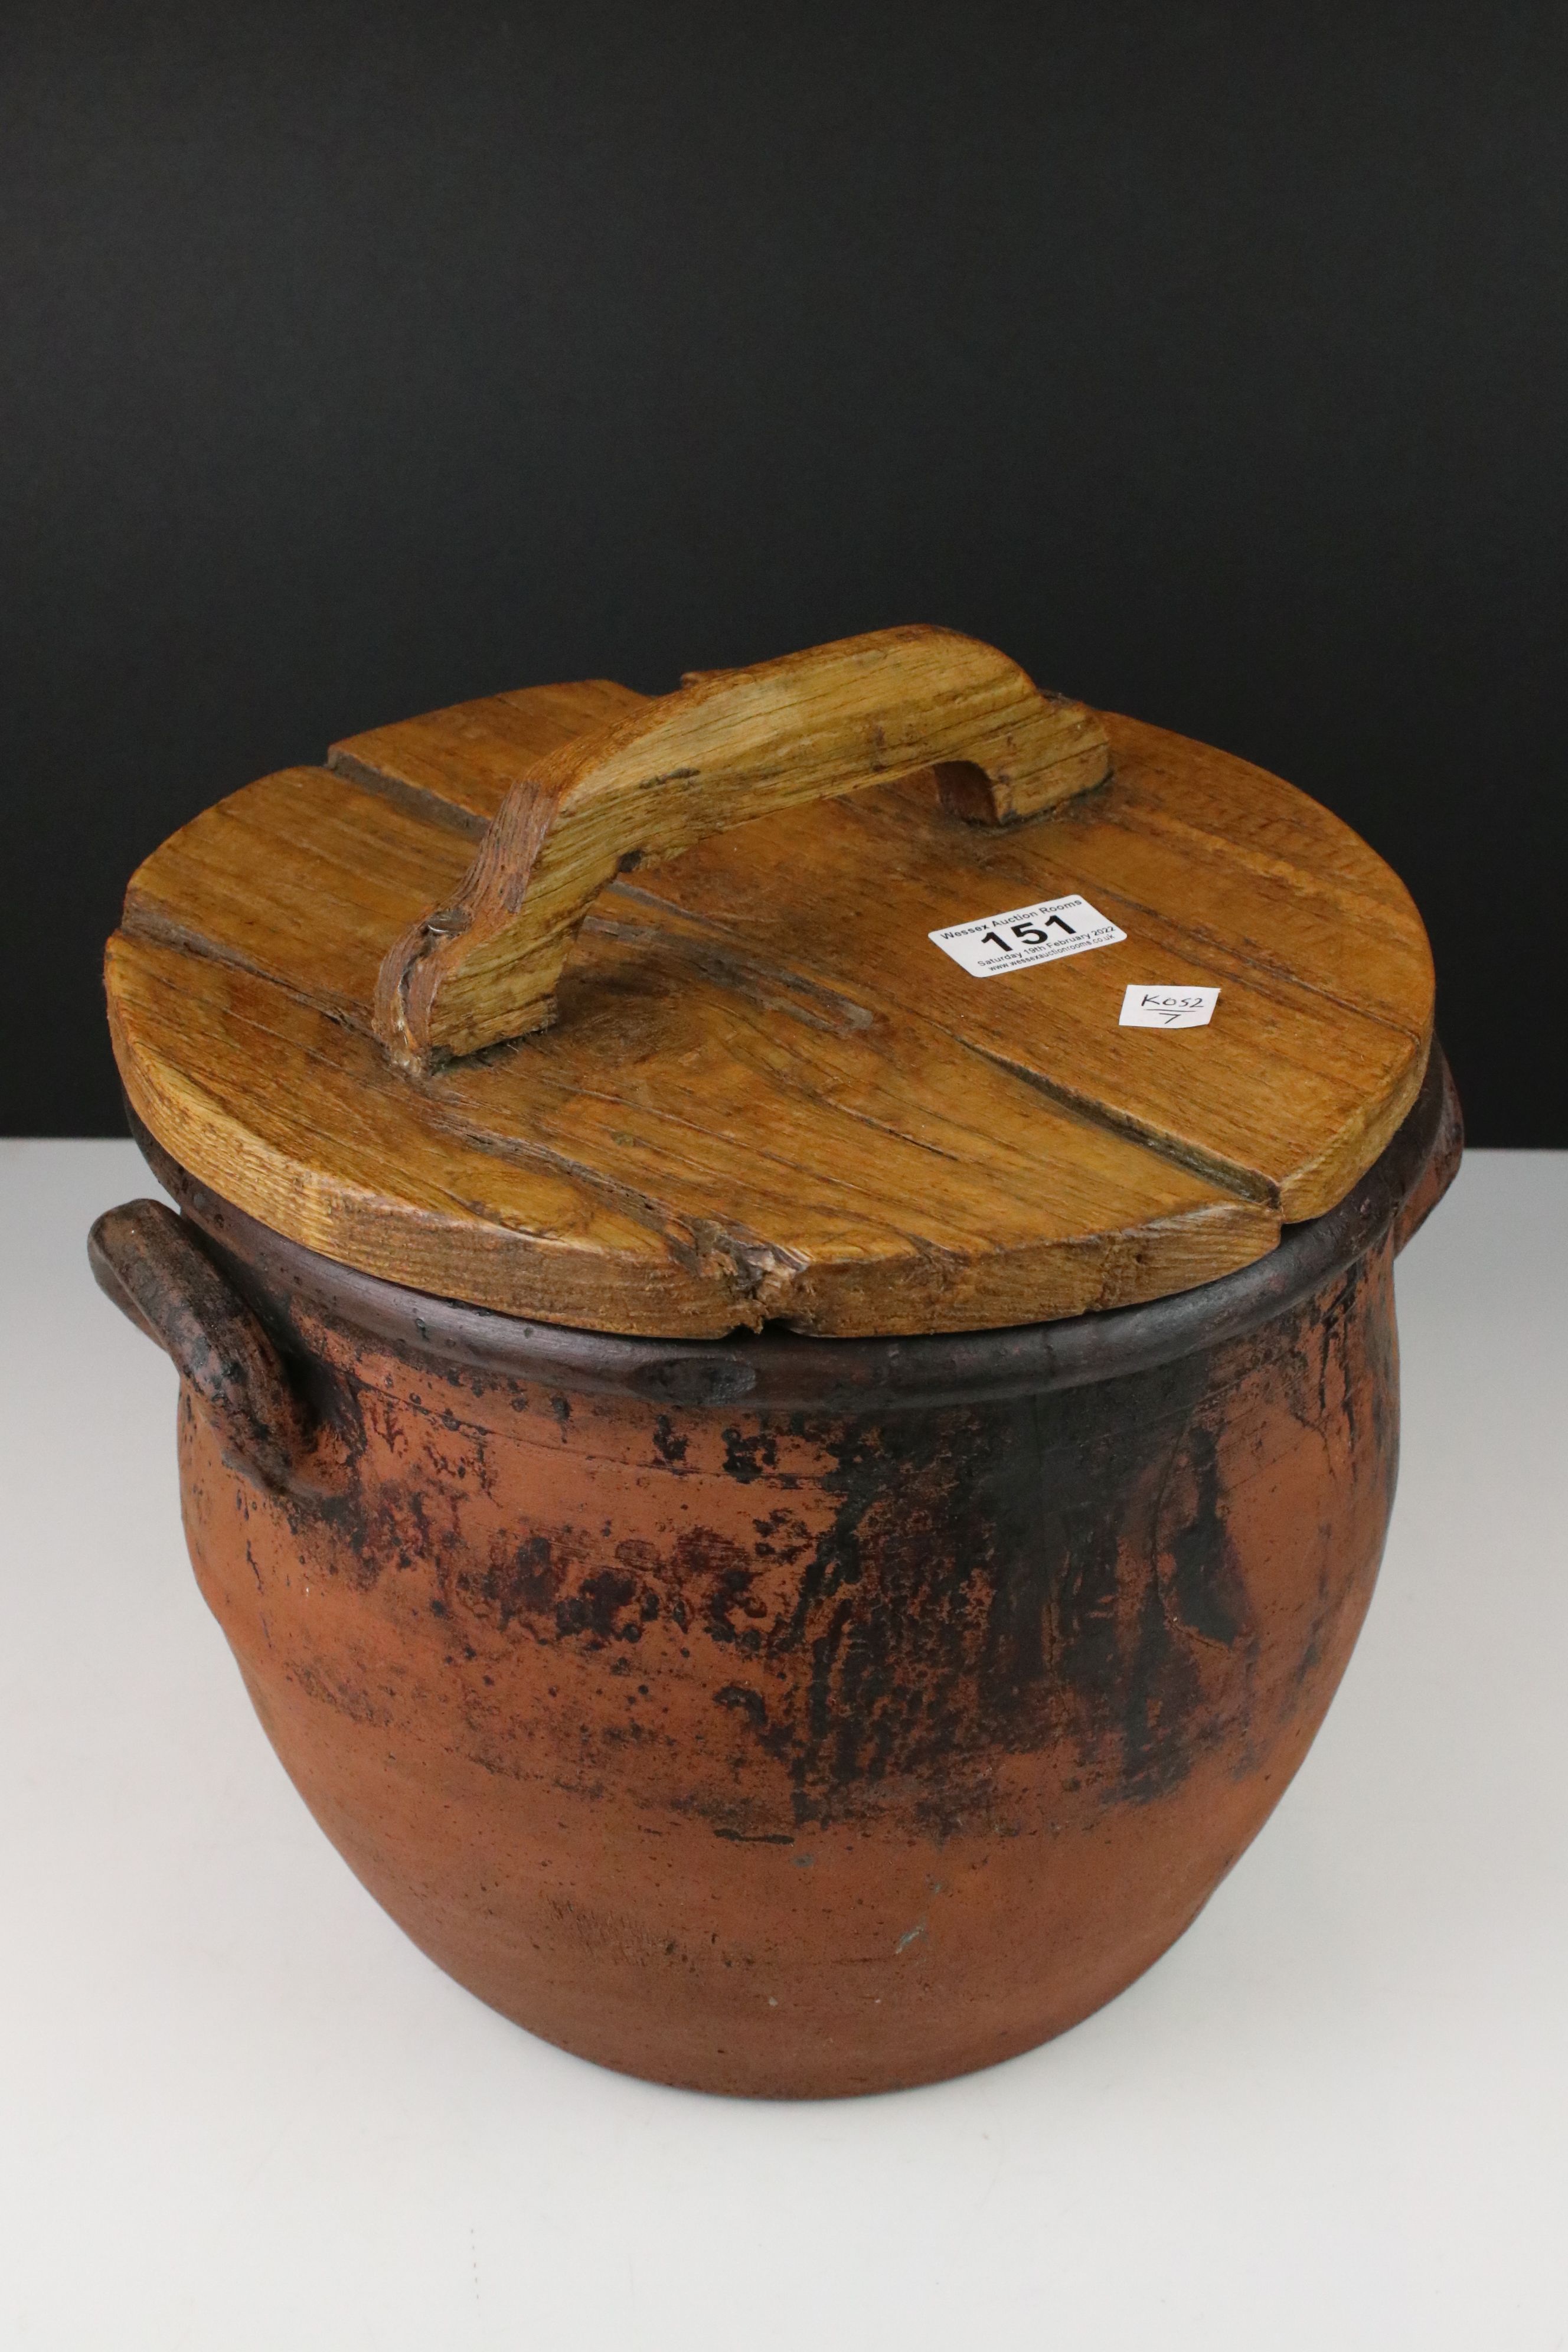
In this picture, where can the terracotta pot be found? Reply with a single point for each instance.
(781, 1716)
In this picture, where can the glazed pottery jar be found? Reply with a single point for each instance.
(784, 1295)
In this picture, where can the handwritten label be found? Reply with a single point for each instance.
(1174, 1006)
(1043, 933)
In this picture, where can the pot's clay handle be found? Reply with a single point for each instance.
(729, 746)
(148, 1261)
(1441, 1164)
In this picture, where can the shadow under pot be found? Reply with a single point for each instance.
(780, 1712)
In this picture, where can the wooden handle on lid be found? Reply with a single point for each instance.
(729, 746)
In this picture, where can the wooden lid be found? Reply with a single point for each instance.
(624, 1012)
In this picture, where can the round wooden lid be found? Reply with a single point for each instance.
(626, 1011)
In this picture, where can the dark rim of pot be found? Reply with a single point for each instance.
(776, 1369)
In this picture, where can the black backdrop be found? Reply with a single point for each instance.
(1210, 358)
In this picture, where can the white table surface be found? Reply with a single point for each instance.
(237, 2109)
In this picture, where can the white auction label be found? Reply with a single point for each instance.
(1174, 1006)
(1025, 935)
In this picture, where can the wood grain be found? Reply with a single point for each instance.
(729, 747)
(775, 1177)
(1287, 1098)
(769, 1096)
(303, 875)
(460, 764)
